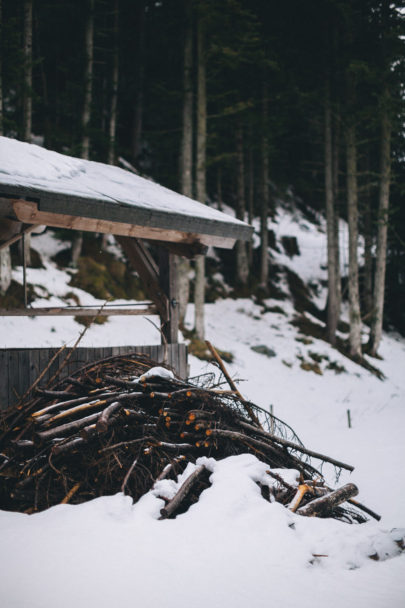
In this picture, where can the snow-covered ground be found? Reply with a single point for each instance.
(232, 548)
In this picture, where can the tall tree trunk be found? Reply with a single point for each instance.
(88, 80)
(381, 256)
(1, 70)
(186, 157)
(352, 214)
(86, 112)
(250, 198)
(5, 256)
(27, 49)
(264, 212)
(27, 99)
(114, 93)
(368, 255)
(336, 130)
(139, 94)
(332, 312)
(47, 112)
(219, 187)
(199, 295)
(242, 267)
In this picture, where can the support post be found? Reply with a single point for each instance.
(168, 281)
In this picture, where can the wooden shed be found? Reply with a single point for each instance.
(42, 187)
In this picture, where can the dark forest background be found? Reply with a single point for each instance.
(273, 74)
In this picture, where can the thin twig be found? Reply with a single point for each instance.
(76, 344)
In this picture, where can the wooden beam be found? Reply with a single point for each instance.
(29, 213)
(17, 237)
(76, 312)
(144, 264)
(184, 250)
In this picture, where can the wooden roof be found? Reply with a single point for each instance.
(39, 186)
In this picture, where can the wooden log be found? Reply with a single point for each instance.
(96, 404)
(176, 447)
(128, 475)
(76, 425)
(102, 422)
(197, 414)
(299, 495)
(60, 448)
(184, 490)
(169, 468)
(323, 505)
(59, 405)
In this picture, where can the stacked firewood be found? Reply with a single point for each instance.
(123, 423)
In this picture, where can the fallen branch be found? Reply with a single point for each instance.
(295, 446)
(185, 488)
(70, 494)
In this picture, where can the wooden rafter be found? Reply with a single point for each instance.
(29, 213)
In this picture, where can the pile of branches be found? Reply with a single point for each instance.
(123, 423)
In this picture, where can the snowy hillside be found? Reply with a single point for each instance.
(232, 548)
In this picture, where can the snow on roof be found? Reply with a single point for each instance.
(64, 184)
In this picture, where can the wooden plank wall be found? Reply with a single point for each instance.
(19, 367)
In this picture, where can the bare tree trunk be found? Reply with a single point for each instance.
(264, 233)
(352, 214)
(368, 256)
(114, 92)
(219, 187)
(250, 199)
(242, 267)
(139, 95)
(1, 70)
(48, 125)
(5, 255)
(199, 295)
(332, 316)
(86, 113)
(88, 81)
(186, 169)
(381, 256)
(27, 97)
(186, 158)
(336, 199)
